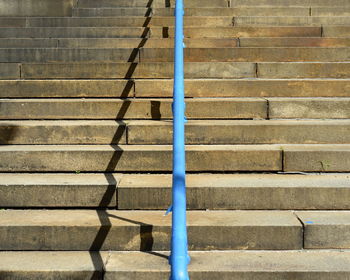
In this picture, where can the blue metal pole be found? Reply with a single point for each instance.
(179, 258)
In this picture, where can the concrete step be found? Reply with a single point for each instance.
(146, 88)
(117, 43)
(130, 21)
(243, 132)
(156, 158)
(146, 230)
(166, 32)
(58, 190)
(196, 11)
(336, 31)
(294, 42)
(160, 132)
(193, 70)
(309, 108)
(147, 70)
(303, 70)
(167, 55)
(238, 191)
(291, 21)
(232, 265)
(326, 229)
(330, 11)
(147, 3)
(119, 109)
(9, 71)
(144, 158)
(287, 3)
(204, 191)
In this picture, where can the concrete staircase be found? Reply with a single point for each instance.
(85, 134)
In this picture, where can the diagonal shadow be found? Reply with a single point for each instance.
(146, 242)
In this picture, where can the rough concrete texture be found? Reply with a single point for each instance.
(238, 191)
(119, 109)
(147, 70)
(309, 108)
(328, 229)
(316, 158)
(243, 132)
(52, 265)
(235, 265)
(336, 31)
(294, 42)
(287, 3)
(58, 190)
(101, 158)
(146, 230)
(330, 11)
(9, 71)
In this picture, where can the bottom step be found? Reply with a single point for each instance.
(229, 265)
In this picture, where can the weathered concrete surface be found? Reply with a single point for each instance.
(164, 88)
(195, 11)
(247, 88)
(103, 158)
(241, 191)
(309, 108)
(147, 70)
(146, 230)
(52, 265)
(291, 21)
(46, 8)
(62, 132)
(328, 229)
(118, 109)
(58, 190)
(244, 132)
(28, 43)
(287, 3)
(67, 88)
(9, 71)
(12, 21)
(294, 42)
(330, 11)
(235, 265)
(149, 43)
(304, 70)
(336, 31)
(317, 158)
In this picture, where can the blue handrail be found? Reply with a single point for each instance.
(179, 258)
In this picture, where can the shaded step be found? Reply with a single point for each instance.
(239, 191)
(303, 70)
(309, 108)
(326, 229)
(130, 21)
(161, 32)
(250, 54)
(243, 132)
(233, 265)
(160, 132)
(146, 230)
(117, 109)
(294, 42)
(195, 11)
(9, 71)
(288, 3)
(12, 22)
(151, 158)
(164, 88)
(115, 43)
(291, 21)
(58, 190)
(71, 55)
(147, 70)
(317, 158)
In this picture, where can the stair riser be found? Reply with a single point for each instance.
(291, 21)
(167, 32)
(137, 159)
(164, 88)
(294, 42)
(129, 109)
